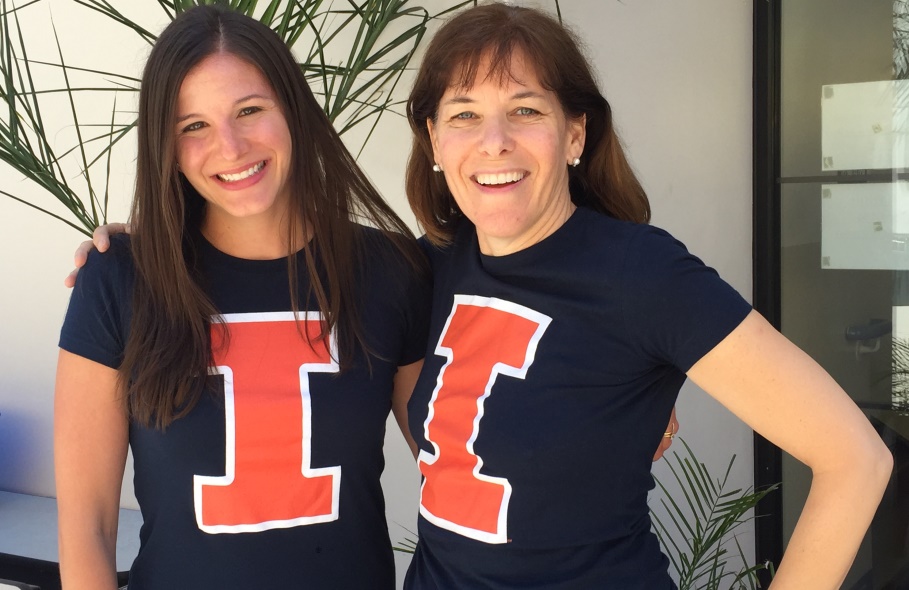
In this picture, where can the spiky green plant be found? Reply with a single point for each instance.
(353, 53)
(406, 545)
(696, 525)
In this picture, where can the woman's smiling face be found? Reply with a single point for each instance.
(504, 147)
(232, 141)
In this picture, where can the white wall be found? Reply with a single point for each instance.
(678, 75)
(37, 250)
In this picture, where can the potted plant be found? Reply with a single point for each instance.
(696, 522)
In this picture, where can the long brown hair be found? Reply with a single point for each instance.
(168, 351)
(604, 180)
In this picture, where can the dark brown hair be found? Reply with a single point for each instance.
(604, 181)
(168, 351)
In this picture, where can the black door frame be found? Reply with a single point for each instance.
(766, 253)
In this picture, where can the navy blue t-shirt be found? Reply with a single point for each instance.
(274, 481)
(549, 377)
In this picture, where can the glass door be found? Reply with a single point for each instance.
(843, 197)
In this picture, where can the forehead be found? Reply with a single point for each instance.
(222, 76)
(494, 69)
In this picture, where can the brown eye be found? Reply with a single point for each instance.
(193, 127)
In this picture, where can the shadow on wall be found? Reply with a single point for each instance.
(21, 436)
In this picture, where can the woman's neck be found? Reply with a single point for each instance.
(254, 239)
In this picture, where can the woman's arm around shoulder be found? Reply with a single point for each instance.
(784, 395)
(90, 444)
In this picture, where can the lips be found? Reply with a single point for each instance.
(499, 178)
(243, 174)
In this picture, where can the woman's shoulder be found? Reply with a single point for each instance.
(619, 230)
(119, 251)
(379, 237)
(613, 241)
(652, 247)
(378, 243)
(111, 266)
(636, 254)
(390, 252)
(640, 241)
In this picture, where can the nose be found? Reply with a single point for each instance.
(230, 142)
(496, 136)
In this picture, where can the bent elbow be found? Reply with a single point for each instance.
(879, 464)
(864, 462)
(886, 462)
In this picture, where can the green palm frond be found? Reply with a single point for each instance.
(408, 545)
(25, 144)
(697, 523)
(108, 10)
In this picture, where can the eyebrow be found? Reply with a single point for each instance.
(461, 99)
(236, 102)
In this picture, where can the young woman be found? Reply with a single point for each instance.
(562, 329)
(247, 341)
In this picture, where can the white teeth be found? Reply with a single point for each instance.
(500, 178)
(241, 175)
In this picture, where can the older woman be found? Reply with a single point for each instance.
(230, 342)
(563, 327)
